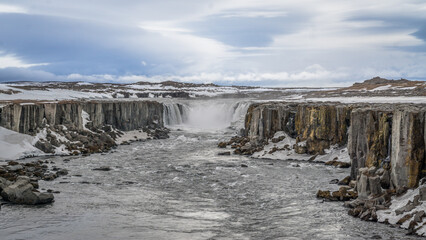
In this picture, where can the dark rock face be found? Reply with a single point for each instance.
(30, 119)
(125, 116)
(386, 145)
(375, 134)
(408, 148)
(102, 122)
(369, 138)
(320, 125)
(262, 121)
(389, 135)
(128, 115)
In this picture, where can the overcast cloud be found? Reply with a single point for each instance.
(265, 42)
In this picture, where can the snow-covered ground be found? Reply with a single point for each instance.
(391, 216)
(387, 99)
(82, 90)
(14, 145)
(286, 152)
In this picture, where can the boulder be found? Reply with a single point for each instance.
(334, 181)
(362, 186)
(224, 153)
(103, 168)
(21, 192)
(345, 181)
(62, 172)
(374, 184)
(338, 164)
(45, 146)
(4, 183)
(344, 194)
(11, 163)
(14, 168)
(323, 194)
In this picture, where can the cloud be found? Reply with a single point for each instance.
(4, 8)
(259, 42)
(11, 61)
(311, 73)
(254, 14)
(26, 74)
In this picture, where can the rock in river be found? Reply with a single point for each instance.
(21, 192)
(103, 168)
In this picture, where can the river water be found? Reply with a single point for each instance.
(179, 188)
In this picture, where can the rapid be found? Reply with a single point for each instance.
(180, 188)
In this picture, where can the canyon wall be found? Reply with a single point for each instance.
(375, 134)
(81, 127)
(408, 147)
(127, 115)
(369, 137)
(31, 118)
(318, 125)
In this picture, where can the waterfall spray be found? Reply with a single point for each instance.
(208, 114)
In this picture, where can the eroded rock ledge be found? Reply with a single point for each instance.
(74, 127)
(385, 144)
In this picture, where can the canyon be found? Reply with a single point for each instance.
(382, 143)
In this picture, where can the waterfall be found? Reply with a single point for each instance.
(175, 114)
(239, 113)
(206, 114)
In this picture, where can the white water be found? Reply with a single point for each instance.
(205, 115)
(173, 115)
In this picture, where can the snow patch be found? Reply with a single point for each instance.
(286, 152)
(381, 88)
(61, 150)
(86, 119)
(399, 202)
(281, 154)
(399, 99)
(14, 145)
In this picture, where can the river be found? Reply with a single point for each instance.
(179, 188)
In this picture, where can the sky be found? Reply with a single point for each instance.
(230, 42)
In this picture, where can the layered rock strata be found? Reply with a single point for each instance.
(317, 125)
(385, 142)
(389, 135)
(375, 134)
(81, 127)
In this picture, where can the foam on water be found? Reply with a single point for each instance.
(205, 115)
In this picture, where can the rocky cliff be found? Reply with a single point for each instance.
(374, 133)
(317, 125)
(389, 134)
(385, 143)
(80, 127)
